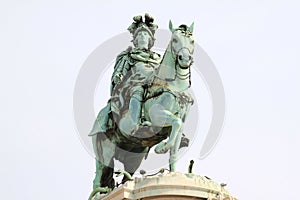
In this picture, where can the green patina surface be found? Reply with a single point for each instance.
(149, 101)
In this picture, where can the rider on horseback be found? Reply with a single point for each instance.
(133, 73)
(162, 94)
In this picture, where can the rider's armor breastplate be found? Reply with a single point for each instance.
(145, 72)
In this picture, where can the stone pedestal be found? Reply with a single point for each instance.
(172, 186)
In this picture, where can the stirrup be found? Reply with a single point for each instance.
(146, 123)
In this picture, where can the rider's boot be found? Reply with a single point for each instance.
(135, 112)
(135, 108)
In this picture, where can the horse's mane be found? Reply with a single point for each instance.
(167, 66)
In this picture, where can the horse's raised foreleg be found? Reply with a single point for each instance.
(163, 118)
(176, 124)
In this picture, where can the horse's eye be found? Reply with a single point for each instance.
(175, 40)
(192, 42)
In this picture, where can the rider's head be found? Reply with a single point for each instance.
(143, 32)
(143, 39)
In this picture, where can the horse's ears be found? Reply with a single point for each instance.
(191, 28)
(171, 26)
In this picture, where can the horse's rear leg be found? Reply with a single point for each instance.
(104, 176)
(132, 161)
(104, 151)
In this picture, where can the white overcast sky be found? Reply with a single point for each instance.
(254, 45)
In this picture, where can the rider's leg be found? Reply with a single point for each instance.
(130, 122)
(135, 106)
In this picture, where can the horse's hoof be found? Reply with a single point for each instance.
(161, 148)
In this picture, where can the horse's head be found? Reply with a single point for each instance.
(182, 44)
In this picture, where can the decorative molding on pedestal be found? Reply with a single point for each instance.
(171, 186)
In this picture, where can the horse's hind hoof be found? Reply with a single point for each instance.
(161, 148)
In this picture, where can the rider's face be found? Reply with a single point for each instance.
(142, 39)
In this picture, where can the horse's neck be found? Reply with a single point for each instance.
(174, 77)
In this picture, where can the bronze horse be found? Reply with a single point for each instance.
(166, 107)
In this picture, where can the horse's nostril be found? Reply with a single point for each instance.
(190, 57)
(180, 57)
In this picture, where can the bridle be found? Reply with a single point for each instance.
(176, 57)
